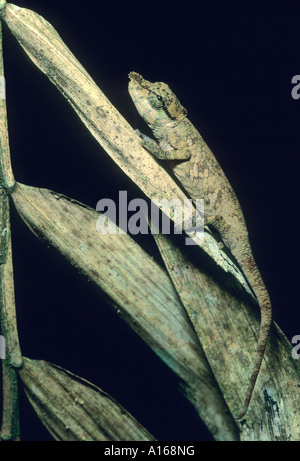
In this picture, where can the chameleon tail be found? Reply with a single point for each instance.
(250, 269)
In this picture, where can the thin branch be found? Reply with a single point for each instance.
(10, 422)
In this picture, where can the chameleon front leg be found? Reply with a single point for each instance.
(154, 148)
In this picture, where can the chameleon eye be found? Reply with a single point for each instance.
(156, 99)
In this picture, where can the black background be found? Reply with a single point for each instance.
(231, 65)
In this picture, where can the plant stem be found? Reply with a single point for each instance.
(13, 357)
(7, 180)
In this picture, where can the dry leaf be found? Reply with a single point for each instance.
(137, 286)
(228, 329)
(49, 53)
(74, 409)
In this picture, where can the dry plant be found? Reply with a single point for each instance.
(212, 355)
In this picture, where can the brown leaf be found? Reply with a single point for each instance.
(137, 287)
(228, 329)
(71, 408)
(49, 53)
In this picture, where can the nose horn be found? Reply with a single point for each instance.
(139, 79)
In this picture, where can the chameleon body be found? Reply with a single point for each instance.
(201, 176)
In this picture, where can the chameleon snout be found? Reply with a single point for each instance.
(139, 79)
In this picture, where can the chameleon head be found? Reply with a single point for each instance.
(155, 102)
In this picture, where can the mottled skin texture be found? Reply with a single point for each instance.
(200, 174)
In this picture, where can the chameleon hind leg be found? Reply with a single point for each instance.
(218, 223)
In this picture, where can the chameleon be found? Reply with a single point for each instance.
(200, 174)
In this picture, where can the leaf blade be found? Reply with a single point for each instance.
(72, 409)
(137, 286)
(47, 50)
